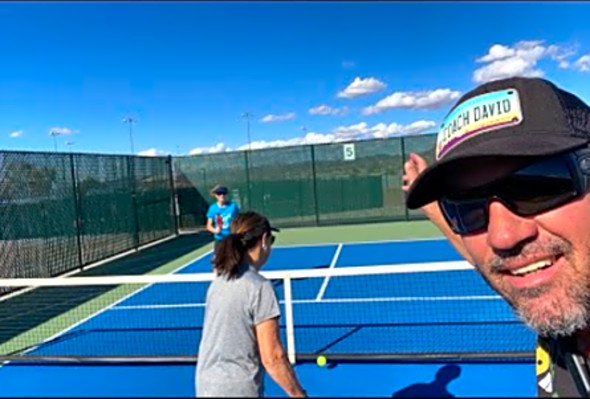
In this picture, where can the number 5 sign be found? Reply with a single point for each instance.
(349, 154)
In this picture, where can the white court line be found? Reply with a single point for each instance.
(330, 301)
(400, 240)
(327, 278)
(110, 306)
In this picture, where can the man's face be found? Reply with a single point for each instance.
(540, 264)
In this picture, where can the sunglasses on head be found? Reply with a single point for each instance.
(536, 188)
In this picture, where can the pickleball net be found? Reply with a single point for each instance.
(401, 313)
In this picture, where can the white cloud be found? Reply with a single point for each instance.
(16, 134)
(583, 63)
(497, 52)
(219, 147)
(152, 152)
(60, 131)
(561, 54)
(428, 99)
(383, 130)
(353, 132)
(360, 87)
(278, 118)
(521, 59)
(359, 130)
(327, 110)
(309, 138)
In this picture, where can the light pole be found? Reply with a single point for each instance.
(70, 144)
(130, 120)
(248, 115)
(54, 133)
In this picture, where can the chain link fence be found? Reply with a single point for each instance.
(60, 212)
(320, 184)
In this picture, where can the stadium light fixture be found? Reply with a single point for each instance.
(248, 115)
(130, 121)
(54, 133)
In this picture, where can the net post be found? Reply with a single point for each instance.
(290, 328)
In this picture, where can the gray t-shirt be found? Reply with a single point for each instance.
(229, 361)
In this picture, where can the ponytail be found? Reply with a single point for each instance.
(247, 229)
(229, 256)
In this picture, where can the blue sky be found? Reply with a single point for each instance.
(307, 71)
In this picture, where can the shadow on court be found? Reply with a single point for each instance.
(435, 389)
(151, 258)
(27, 310)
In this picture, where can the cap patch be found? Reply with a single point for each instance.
(481, 114)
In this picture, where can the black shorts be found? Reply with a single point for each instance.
(216, 245)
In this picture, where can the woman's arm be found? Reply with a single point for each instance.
(274, 359)
(210, 228)
(210, 215)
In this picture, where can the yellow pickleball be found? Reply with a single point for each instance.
(321, 361)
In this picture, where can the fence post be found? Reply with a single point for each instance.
(403, 148)
(248, 193)
(131, 173)
(315, 186)
(77, 210)
(173, 197)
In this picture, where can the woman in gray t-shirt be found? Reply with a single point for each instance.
(241, 329)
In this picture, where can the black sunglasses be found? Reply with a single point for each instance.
(536, 188)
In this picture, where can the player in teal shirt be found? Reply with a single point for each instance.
(220, 214)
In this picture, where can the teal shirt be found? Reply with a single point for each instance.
(224, 215)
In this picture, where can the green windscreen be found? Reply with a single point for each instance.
(320, 184)
(62, 211)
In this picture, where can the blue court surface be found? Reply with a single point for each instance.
(414, 313)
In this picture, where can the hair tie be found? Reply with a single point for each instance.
(239, 237)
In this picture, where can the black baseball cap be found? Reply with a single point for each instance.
(521, 118)
(219, 189)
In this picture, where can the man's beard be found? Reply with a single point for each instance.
(564, 322)
(560, 315)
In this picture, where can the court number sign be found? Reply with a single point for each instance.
(349, 154)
